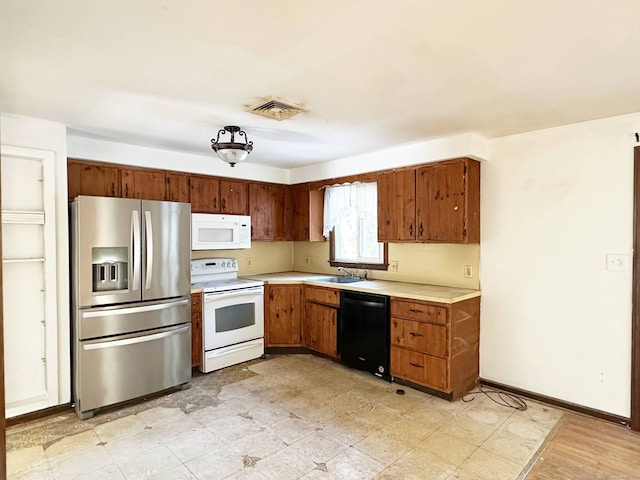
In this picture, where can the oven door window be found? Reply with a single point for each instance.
(235, 317)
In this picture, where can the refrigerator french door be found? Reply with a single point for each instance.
(131, 285)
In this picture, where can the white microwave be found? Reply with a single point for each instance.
(220, 232)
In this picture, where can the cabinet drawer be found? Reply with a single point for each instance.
(425, 337)
(328, 296)
(418, 311)
(419, 368)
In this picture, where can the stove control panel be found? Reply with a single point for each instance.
(209, 266)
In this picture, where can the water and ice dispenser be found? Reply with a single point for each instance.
(110, 269)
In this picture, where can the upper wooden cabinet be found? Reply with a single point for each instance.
(266, 207)
(448, 202)
(435, 203)
(205, 194)
(178, 187)
(397, 206)
(89, 178)
(234, 197)
(304, 210)
(147, 184)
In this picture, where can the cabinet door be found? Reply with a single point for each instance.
(312, 326)
(205, 192)
(87, 178)
(266, 207)
(196, 329)
(329, 334)
(146, 184)
(284, 315)
(298, 213)
(178, 187)
(441, 202)
(397, 206)
(233, 197)
(321, 328)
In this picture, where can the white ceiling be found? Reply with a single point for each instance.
(373, 74)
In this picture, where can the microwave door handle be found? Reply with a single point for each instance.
(135, 249)
(149, 236)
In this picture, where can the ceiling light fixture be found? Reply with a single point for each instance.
(232, 152)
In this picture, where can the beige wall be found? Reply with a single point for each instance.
(436, 264)
(266, 257)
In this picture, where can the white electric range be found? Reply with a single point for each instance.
(233, 313)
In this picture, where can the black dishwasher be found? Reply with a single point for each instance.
(364, 332)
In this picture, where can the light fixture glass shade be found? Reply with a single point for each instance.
(232, 156)
(232, 152)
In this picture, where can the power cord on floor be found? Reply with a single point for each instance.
(504, 399)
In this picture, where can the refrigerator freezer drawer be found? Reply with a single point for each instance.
(135, 317)
(124, 367)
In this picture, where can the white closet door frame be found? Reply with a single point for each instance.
(49, 394)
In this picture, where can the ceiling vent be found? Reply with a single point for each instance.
(275, 108)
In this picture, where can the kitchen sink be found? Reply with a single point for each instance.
(340, 279)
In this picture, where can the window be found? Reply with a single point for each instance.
(351, 223)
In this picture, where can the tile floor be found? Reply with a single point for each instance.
(289, 417)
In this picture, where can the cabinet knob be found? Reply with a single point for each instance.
(420, 230)
(411, 229)
(456, 207)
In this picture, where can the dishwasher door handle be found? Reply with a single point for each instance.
(364, 303)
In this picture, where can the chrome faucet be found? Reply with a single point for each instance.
(346, 272)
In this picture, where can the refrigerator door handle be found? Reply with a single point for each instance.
(134, 340)
(136, 249)
(132, 310)
(149, 231)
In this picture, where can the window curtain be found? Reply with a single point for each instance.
(342, 201)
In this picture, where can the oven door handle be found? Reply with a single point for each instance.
(212, 297)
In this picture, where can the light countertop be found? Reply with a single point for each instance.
(414, 291)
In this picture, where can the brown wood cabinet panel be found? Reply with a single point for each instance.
(420, 368)
(284, 315)
(420, 336)
(89, 178)
(304, 210)
(327, 296)
(205, 194)
(407, 364)
(146, 184)
(196, 329)
(266, 207)
(234, 197)
(448, 202)
(178, 187)
(321, 328)
(397, 206)
(298, 212)
(465, 345)
(423, 312)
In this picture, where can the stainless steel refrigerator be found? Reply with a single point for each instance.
(131, 332)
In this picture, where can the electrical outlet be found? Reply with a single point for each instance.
(308, 260)
(617, 263)
(249, 262)
(468, 271)
(395, 266)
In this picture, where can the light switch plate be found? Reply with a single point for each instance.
(617, 262)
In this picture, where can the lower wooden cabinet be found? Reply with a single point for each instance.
(283, 316)
(321, 328)
(436, 345)
(196, 329)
